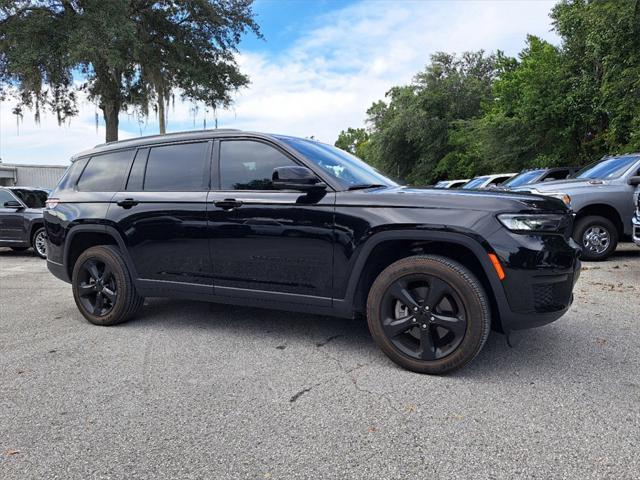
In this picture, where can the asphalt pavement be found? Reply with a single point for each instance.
(206, 391)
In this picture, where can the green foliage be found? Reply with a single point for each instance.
(354, 141)
(553, 105)
(123, 53)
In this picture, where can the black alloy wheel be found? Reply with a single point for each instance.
(429, 314)
(423, 316)
(103, 288)
(97, 287)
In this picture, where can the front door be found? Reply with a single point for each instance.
(162, 216)
(11, 220)
(261, 239)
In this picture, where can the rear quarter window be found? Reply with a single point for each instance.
(105, 172)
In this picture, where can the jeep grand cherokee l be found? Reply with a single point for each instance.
(294, 224)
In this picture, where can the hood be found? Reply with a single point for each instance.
(561, 185)
(482, 200)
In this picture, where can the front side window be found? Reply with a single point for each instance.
(524, 178)
(5, 197)
(248, 165)
(105, 173)
(178, 168)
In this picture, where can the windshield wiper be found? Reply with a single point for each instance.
(362, 186)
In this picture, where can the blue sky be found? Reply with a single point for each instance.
(321, 65)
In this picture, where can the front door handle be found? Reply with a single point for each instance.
(127, 203)
(228, 203)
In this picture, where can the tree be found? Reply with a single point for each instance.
(416, 133)
(122, 53)
(354, 141)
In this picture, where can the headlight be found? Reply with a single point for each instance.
(562, 196)
(536, 222)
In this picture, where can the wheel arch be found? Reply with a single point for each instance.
(33, 228)
(384, 248)
(603, 210)
(82, 237)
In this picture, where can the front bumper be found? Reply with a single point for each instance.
(540, 273)
(636, 229)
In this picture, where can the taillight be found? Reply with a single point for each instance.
(51, 203)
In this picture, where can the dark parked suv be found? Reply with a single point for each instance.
(21, 223)
(288, 223)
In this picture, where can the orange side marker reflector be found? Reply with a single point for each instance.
(497, 266)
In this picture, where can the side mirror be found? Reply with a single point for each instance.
(13, 204)
(635, 180)
(296, 178)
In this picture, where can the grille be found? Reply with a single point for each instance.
(547, 297)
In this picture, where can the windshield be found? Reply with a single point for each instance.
(31, 198)
(609, 168)
(524, 178)
(476, 182)
(346, 169)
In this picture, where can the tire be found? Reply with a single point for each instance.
(19, 249)
(428, 276)
(119, 299)
(592, 246)
(39, 242)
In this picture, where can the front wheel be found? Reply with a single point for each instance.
(102, 286)
(428, 314)
(597, 236)
(39, 242)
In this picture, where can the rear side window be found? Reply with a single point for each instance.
(180, 167)
(106, 172)
(248, 165)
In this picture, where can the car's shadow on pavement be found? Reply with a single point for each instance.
(535, 350)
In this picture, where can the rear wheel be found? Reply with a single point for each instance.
(39, 242)
(102, 286)
(597, 236)
(428, 314)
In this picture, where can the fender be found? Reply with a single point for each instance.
(475, 245)
(104, 229)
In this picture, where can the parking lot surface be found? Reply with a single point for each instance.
(197, 390)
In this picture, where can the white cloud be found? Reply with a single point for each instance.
(322, 83)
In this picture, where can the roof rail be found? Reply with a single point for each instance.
(169, 135)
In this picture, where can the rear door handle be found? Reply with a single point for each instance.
(228, 203)
(127, 203)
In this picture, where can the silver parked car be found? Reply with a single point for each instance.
(601, 195)
(488, 181)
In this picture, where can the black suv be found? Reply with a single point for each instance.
(281, 222)
(21, 223)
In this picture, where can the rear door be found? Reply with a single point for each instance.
(162, 216)
(264, 242)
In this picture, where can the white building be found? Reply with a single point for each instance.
(42, 176)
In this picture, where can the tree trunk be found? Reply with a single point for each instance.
(161, 112)
(110, 112)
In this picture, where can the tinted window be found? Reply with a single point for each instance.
(105, 173)
(136, 176)
(31, 198)
(557, 175)
(70, 177)
(5, 197)
(248, 165)
(177, 167)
